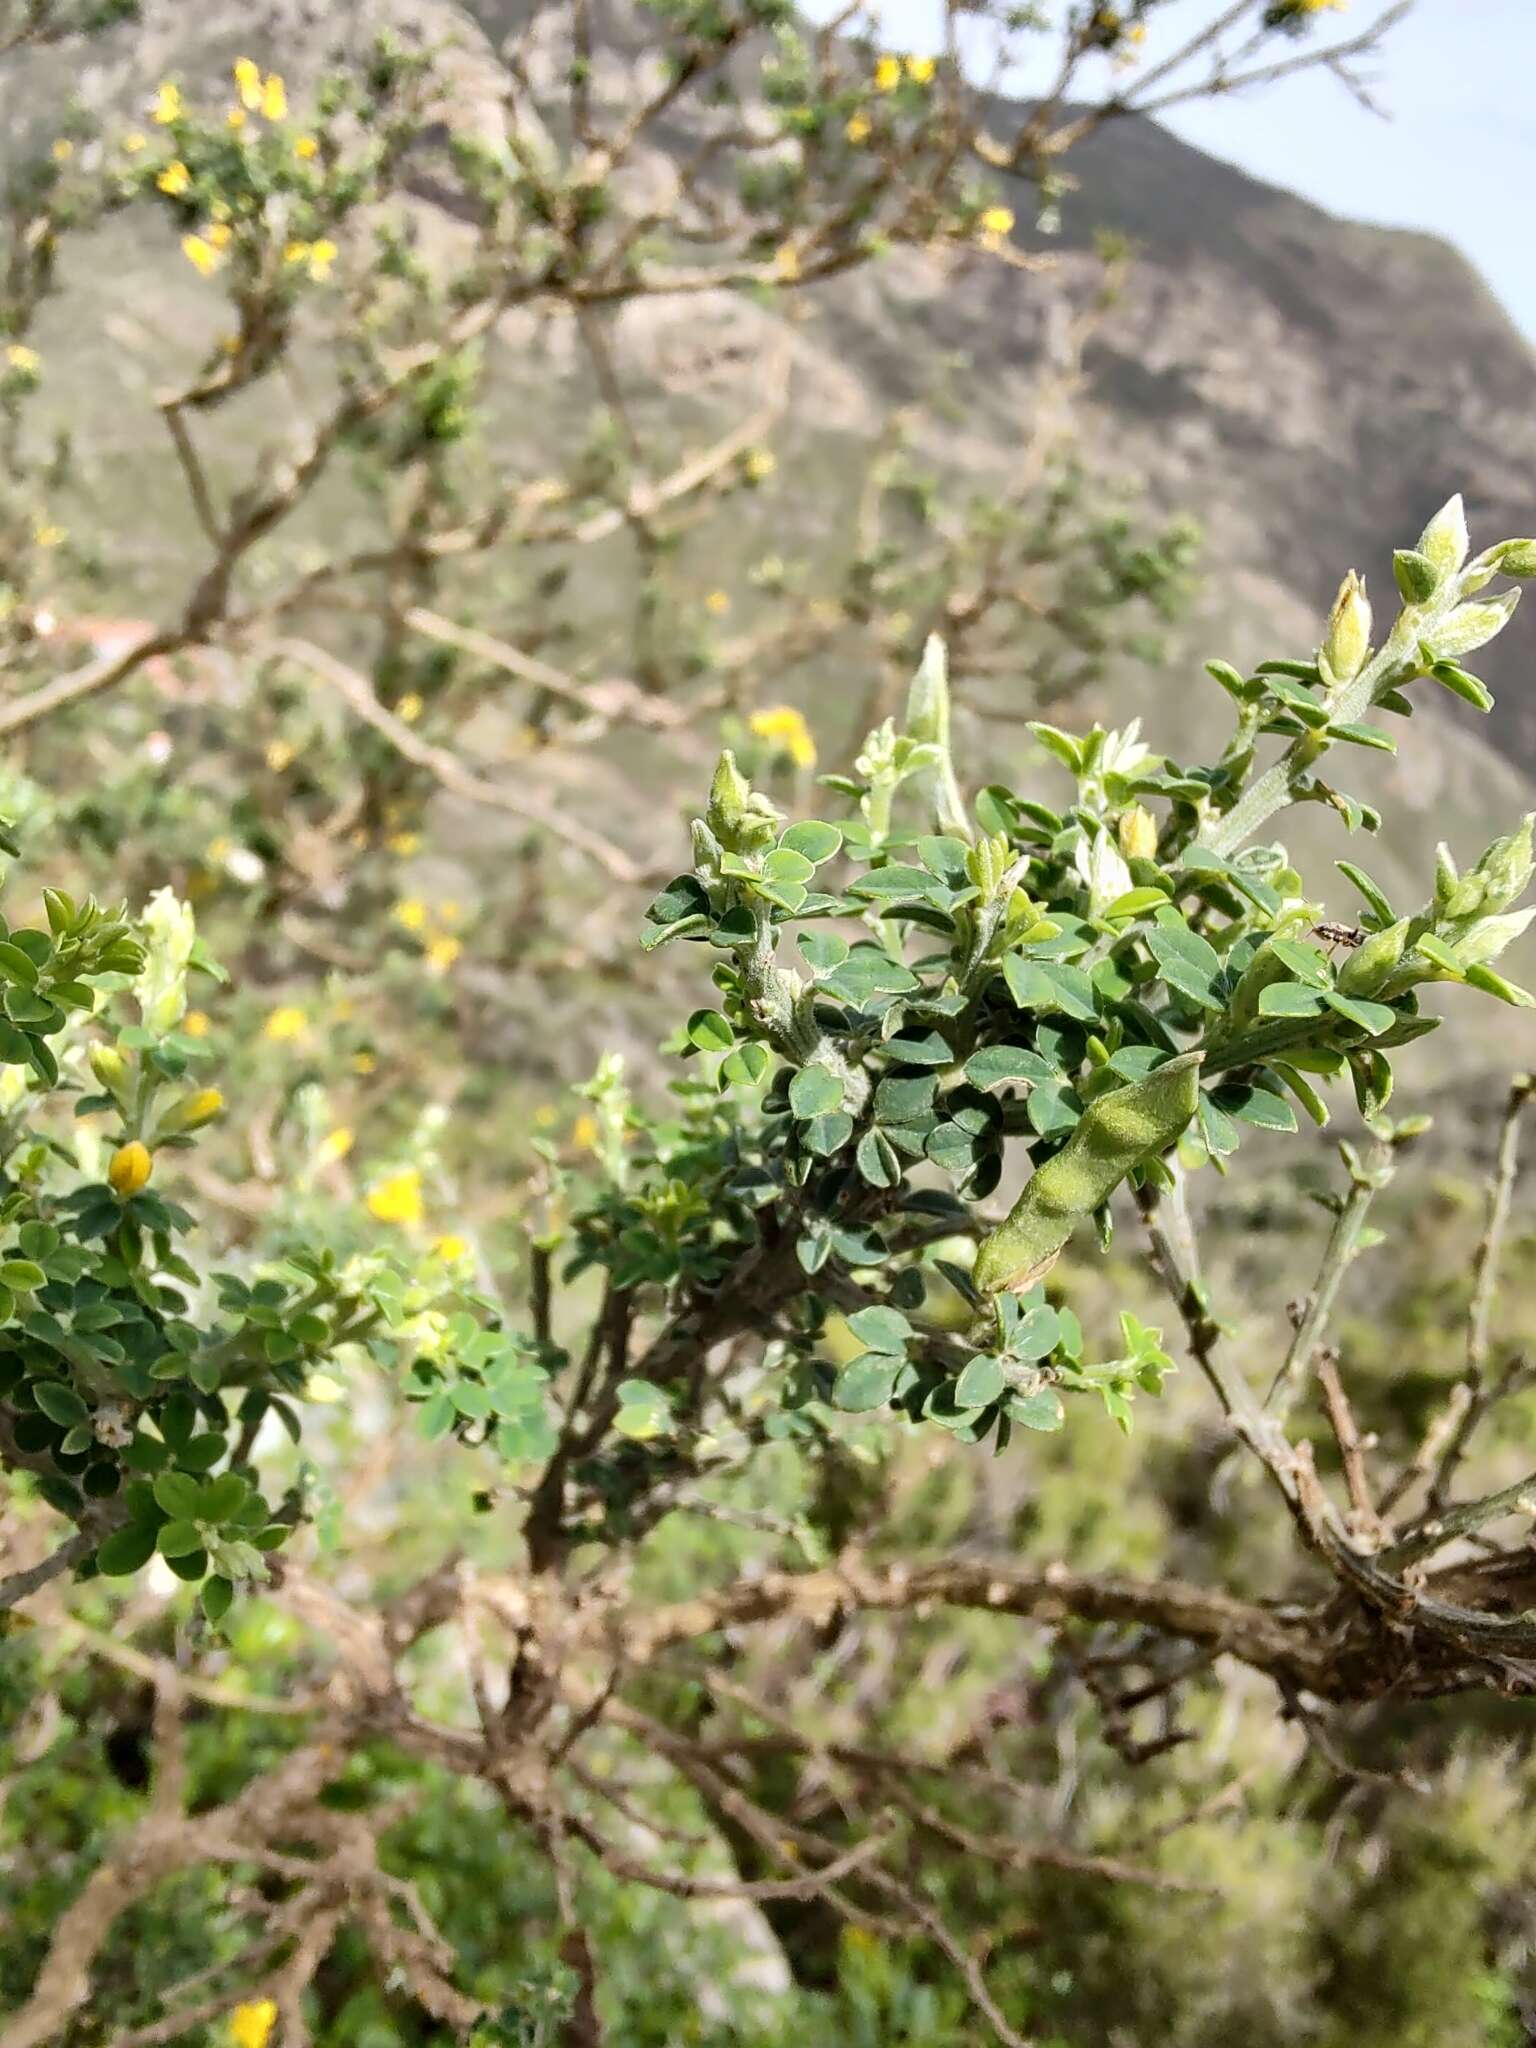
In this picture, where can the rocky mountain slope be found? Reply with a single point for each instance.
(1310, 389)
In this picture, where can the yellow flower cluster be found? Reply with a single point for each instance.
(758, 464)
(265, 96)
(397, 1198)
(785, 728)
(168, 107)
(317, 257)
(26, 360)
(286, 1025)
(890, 71)
(858, 128)
(250, 2025)
(997, 222)
(442, 946)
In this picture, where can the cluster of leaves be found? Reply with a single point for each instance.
(1094, 980)
(132, 1384)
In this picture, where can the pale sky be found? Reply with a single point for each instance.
(1457, 156)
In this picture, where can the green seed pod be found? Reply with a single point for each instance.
(1115, 1133)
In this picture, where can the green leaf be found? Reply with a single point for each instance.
(1036, 1334)
(877, 1161)
(61, 1404)
(216, 1596)
(179, 1496)
(813, 840)
(126, 1550)
(815, 1091)
(1359, 734)
(898, 884)
(1290, 999)
(1136, 903)
(996, 1064)
(787, 869)
(1372, 1017)
(1050, 986)
(1189, 963)
(1451, 676)
(744, 1067)
(980, 1383)
(710, 1032)
(866, 1383)
(179, 1539)
(823, 950)
(1491, 984)
(869, 972)
(15, 966)
(1258, 1106)
(827, 1134)
(1040, 1410)
(920, 1049)
(881, 1329)
(1306, 963)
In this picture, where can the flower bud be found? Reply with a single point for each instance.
(1507, 865)
(130, 1169)
(742, 821)
(1349, 630)
(1418, 578)
(110, 1068)
(928, 700)
(1515, 557)
(192, 1112)
(1137, 833)
(1444, 542)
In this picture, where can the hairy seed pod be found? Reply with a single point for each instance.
(1115, 1133)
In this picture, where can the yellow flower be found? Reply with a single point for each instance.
(167, 105)
(296, 252)
(250, 2025)
(134, 142)
(285, 1025)
(321, 257)
(280, 755)
(443, 951)
(410, 707)
(363, 1063)
(130, 1169)
(63, 150)
(202, 255)
(450, 910)
(785, 728)
(451, 1249)
(584, 1132)
(247, 77)
(334, 1145)
(306, 147)
(717, 604)
(274, 99)
(997, 220)
(758, 465)
(20, 357)
(786, 263)
(397, 1199)
(921, 69)
(174, 178)
(195, 1024)
(857, 129)
(410, 913)
(51, 536)
(887, 74)
(220, 233)
(404, 843)
(237, 117)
